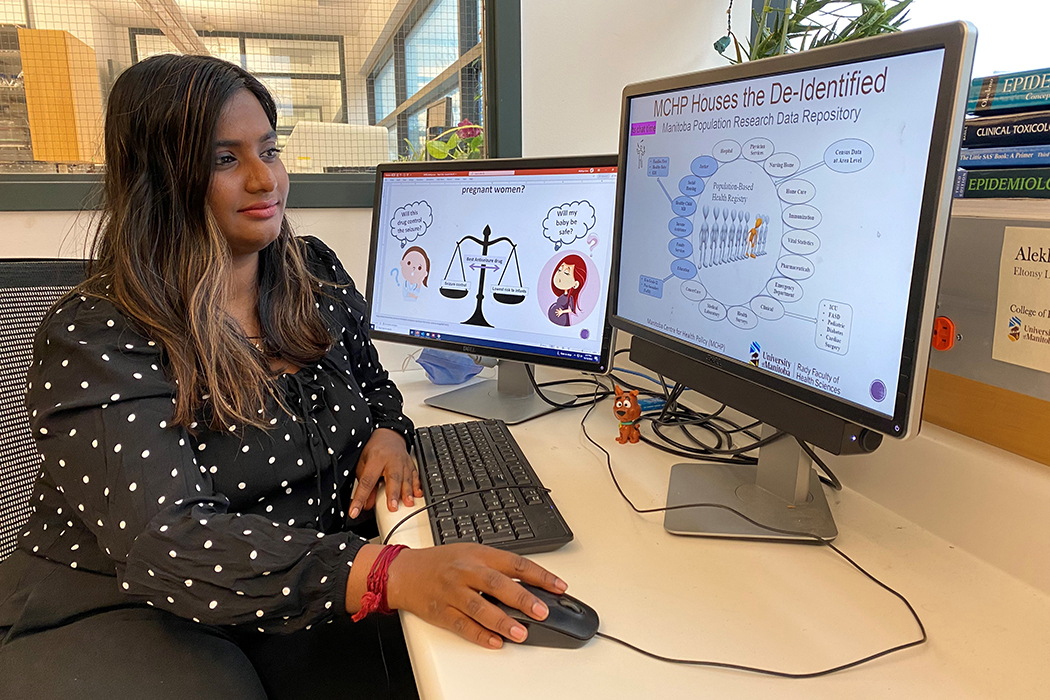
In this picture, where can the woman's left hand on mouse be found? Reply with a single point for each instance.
(385, 457)
(442, 585)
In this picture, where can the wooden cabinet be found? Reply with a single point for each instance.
(968, 391)
(62, 94)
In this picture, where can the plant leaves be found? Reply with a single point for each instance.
(437, 150)
(806, 24)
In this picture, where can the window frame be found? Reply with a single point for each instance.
(502, 90)
(242, 37)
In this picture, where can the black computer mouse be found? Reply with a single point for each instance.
(570, 623)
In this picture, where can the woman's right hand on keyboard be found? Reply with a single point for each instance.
(442, 585)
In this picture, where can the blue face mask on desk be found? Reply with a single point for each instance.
(444, 367)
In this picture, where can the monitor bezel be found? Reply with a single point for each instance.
(604, 363)
(956, 39)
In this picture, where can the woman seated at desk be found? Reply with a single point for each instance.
(203, 404)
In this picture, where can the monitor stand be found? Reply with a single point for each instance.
(510, 397)
(783, 491)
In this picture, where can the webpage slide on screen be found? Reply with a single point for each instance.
(517, 260)
(774, 220)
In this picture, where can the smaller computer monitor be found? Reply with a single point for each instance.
(502, 258)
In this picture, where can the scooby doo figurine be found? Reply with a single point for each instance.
(627, 411)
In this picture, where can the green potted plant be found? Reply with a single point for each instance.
(808, 24)
(464, 141)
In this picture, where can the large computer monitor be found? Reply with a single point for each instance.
(503, 258)
(778, 241)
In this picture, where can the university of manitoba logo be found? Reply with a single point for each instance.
(756, 349)
(1015, 328)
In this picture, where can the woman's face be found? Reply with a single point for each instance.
(564, 278)
(414, 267)
(249, 185)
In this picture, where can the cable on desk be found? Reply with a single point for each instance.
(675, 415)
(626, 383)
(816, 538)
(832, 480)
(654, 380)
(576, 401)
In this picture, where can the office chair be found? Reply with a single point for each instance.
(28, 288)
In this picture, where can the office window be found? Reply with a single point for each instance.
(306, 75)
(385, 97)
(432, 45)
(348, 77)
(152, 42)
(435, 52)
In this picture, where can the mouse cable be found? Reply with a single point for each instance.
(446, 499)
(816, 538)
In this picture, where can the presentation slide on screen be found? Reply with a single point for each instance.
(774, 220)
(508, 259)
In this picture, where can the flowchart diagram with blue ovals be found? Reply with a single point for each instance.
(742, 233)
(782, 232)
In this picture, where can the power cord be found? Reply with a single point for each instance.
(578, 399)
(832, 480)
(816, 538)
(675, 415)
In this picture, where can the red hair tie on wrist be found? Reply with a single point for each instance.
(374, 599)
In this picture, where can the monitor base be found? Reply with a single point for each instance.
(782, 491)
(734, 486)
(510, 397)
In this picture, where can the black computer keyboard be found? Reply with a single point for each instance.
(511, 511)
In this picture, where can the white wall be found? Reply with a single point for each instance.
(44, 234)
(62, 234)
(346, 231)
(576, 58)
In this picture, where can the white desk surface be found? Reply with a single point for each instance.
(788, 607)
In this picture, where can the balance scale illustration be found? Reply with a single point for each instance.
(459, 288)
(720, 255)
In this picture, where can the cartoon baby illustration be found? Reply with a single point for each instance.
(415, 269)
(567, 282)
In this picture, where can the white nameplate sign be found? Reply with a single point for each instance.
(1022, 314)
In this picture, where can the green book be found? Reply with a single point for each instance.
(1003, 183)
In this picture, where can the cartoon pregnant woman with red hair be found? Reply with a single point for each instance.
(567, 282)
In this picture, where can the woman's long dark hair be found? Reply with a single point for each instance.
(161, 258)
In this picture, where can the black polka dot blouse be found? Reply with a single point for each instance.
(245, 526)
